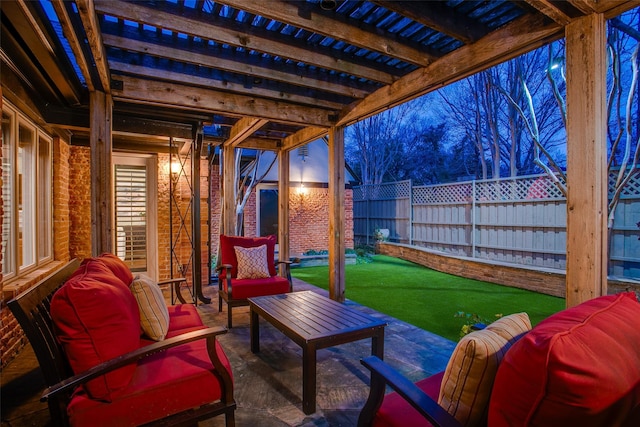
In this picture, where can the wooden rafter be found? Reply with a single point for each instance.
(243, 129)
(306, 16)
(260, 144)
(256, 91)
(174, 95)
(38, 46)
(550, 9)
(74, 43)
(508, 42)
(234, 66)
(435, 15)
(235, 35)
(94, 39)
(302, 137)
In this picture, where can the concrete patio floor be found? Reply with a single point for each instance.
(268, 385)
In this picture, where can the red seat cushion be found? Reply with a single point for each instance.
(163, 384)
(228, 254)
(96, 321)
(579, 367)
(246, 288)
(182, 316)
(397, 412)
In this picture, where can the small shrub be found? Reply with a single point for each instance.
(473, 321)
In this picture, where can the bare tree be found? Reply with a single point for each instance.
(497, 126)
(245, 181)
(375, 145)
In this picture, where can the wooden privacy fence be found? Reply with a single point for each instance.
(514, 220)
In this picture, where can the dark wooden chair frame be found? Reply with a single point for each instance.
(31, 309)
(382, 374)
(224, 273)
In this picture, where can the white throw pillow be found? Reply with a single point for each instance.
(154, 315)
(252, 262)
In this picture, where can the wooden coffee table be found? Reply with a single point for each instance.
(314, 322)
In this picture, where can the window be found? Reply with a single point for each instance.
(26, 194)
(8, 228)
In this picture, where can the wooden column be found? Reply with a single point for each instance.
(228, 191)
(586, 159)
(284, 248)
(336, 213)
(100, 112)
(196, 216)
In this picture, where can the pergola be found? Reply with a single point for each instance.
(277, 74)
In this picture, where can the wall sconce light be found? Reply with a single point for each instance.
(175, 168)
(302, 190)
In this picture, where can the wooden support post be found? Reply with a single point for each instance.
(586, 159)
(284, 247)
(100, 111)
(336, 214)
(228, 191)
(196, 217)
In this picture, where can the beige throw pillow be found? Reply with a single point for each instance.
(468, 378)
(252, 262)
(154, 314)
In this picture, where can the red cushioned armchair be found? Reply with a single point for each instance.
(578, 367)
(85, 328)
(248, 269)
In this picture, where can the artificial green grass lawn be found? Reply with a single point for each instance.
(430, 299)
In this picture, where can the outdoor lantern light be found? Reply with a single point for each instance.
(175, 169)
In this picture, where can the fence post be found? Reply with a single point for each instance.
(411, 212)
(365, 196)
(473, 218)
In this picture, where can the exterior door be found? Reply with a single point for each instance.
(135, 184)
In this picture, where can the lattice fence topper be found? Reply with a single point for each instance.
(448, 193)
(533, 187)
(522, 188)
(385, 191)
(631, 189)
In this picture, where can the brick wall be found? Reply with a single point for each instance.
(308, 219)
(79, 202)
(61, 211)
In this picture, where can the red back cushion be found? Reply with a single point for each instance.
(228, 254)
(99, 270)
(579, 367)
(118, 267)
(97, 320)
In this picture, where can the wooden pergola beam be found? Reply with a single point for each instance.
(551, 10)
(303, 137)
(310, 17)
(75, 44)
(501, 45)
(221, 63)
(236, 36)
(243, 129)
(175, 95)
(89, 19)
(181, 78)
(438, 17)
